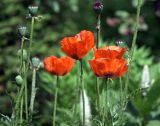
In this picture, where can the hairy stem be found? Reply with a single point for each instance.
(21, 72)
(97, 90)
(98, 26)
(136, 28)
(30, 40)
(97, 46)
(133, 43)
(21, 112)
(77, 90)
(55, 102)
(21, 57)
(33, 93)
(27, 67)
(121, 101)
(26, 94)
(82, 91)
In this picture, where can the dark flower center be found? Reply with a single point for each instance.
(108, 75)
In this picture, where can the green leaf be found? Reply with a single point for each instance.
(154, 123)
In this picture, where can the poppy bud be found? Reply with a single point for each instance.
(35, 62)
(19, 80)
(22, 30)
(98, 6)
(19, 53)
(33, 10)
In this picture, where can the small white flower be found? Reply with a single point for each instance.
(87, 109)
(145, 79)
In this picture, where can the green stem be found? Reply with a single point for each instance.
(33, 93)
(55, 102)
(21, 113)
(107, 100)
(82, 91)
(97, 46)
(20, 95)
(30, 40)
(97, 90)
(18, 102)
(21, 69)
(121, 101)
(121, 92)
(27, 67)
(26, 93)
(136, 28)
(108, 119)
(25, 72)
(21, 60)
(103, 117)
(133, 43)
(77, 90)
(98, 30)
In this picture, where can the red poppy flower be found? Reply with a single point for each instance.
(109, 52)
(108, 68)
(79, 45)
(58, 66)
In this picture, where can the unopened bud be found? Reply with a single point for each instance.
(22, 30)
(19, 80)
(98, 6)
(36, 62)
(33, 10)
(22, 54)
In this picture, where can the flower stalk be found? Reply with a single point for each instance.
(31, 38)
(20, 95)
(18, 110)
(77, 90)
(33, 93)
(98, 26)
(97, 45)
(133, 43)
(82, 91)
(55, 101)
(121, 101)
(21, 112)
(27, 67)
(98, 7)
(21, 57)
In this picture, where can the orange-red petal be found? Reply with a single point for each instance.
(104, 67)
(109, 52)
(58, 66)
(79, 45)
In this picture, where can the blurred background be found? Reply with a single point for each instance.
(66, 18)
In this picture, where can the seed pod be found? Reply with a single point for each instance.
(35, 62)
(22, 30)
(19, 80)
(33, 10)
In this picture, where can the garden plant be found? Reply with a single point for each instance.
(83, 80)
